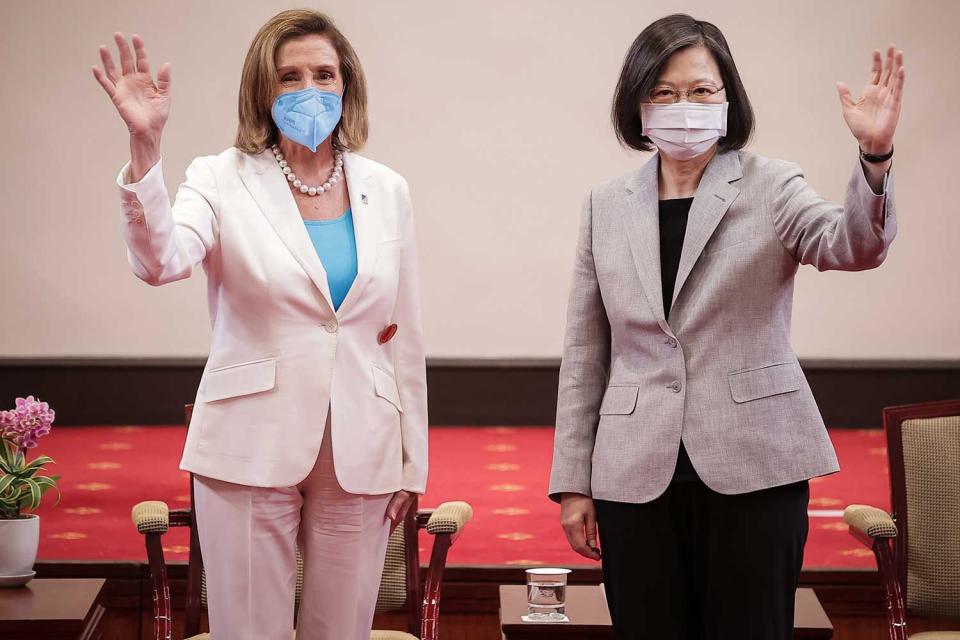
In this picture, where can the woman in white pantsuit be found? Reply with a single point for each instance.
(310, 422)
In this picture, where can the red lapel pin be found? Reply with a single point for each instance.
(384, 336)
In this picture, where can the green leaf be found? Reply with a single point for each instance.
(29, 473)
(38, 462)
(32, 501)
(6, 456)
(47, 483)
(5, 483)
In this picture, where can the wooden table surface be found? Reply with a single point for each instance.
(586, 608)
(590, 619)
(809, 618)
(51, 609)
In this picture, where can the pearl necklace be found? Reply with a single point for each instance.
(295, 182)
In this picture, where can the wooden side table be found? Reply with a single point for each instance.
(52, 610)
(590, 619)
(586, 608)
(809, 618)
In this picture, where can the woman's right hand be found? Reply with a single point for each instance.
(578, 517)
(143, 104)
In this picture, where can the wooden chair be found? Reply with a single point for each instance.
(400, 586)
(918, 546)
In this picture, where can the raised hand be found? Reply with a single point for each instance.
(873, 118)
(143, 104)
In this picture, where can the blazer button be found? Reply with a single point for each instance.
(675, 386)
(672, 342)
(331, 327)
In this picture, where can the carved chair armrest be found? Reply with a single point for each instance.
(877, 530)
(444, 523)
(152, 516)
(449, 517)
(870, 521)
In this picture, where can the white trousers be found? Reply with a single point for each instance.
(248, 537)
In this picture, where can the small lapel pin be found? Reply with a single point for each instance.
(363, 198)
(384, 336)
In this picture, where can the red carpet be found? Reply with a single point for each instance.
(501, 471)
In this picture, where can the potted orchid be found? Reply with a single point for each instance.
(22, 485)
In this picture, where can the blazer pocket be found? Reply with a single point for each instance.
(762, 382)
(619, 400)
(240, 379)
(730, 241)
(385, 386)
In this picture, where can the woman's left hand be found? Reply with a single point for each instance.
(873, 118)
(398, 507)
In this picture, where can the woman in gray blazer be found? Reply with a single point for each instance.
(686, 430)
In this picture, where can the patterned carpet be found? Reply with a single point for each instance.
(501, 471)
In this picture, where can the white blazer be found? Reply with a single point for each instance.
(280, 355)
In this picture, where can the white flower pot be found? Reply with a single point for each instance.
(19, 540)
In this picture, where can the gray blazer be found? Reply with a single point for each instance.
(722, 373)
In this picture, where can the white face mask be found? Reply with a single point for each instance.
(684, 130)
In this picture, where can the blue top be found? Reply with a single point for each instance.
(336, 245)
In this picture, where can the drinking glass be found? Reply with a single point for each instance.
(546, 595)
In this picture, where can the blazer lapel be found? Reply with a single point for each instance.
(711, 201)
(269, 188)
(365, 205)
(643, 233)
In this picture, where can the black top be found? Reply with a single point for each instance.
(673, 226)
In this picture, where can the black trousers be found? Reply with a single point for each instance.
(698, 565)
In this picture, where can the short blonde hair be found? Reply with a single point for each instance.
(258, 82)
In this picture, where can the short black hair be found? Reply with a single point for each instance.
(647, 56)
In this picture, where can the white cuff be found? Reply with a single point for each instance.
(125, 184)
(137, 198)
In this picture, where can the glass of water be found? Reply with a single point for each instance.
(546, 595)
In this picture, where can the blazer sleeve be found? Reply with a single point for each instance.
(583, 371)
(409, 359)
(852, 237)
(164, 242)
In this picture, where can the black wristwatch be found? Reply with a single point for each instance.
(869, 157)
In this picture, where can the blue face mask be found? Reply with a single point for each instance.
(308, 116)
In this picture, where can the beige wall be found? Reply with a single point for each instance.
(497, 114)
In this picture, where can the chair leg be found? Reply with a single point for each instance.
(896, 611)
(431, 591)
(162, 627)
(191, 613)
